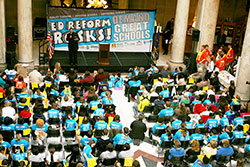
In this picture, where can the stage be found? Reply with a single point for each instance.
(119, 61)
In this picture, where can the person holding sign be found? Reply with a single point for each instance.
(72, 39)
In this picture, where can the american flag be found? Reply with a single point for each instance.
(156, 47)
(51, 48)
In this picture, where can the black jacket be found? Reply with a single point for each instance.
(138, 128)
(73, 44)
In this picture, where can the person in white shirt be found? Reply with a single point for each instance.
(36, 155)
(206, 112)
(210, 68)
(110, 153)
(126, 152)
(158, 83)
(35, 76)
(67, 101)
(53, 155)
(8, 110)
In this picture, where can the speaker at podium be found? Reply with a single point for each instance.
(104, 54)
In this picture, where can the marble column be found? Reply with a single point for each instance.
(123, 4)
(2, 36)
(206, 19)
(180, 29)
(242, 89)
(25, 40)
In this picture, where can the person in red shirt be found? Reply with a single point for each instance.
(201, 57)
(230, 54)
(87, 78)
(100, 76)
(25, 112)
(2, 91)
(221, 63)
(20, 83)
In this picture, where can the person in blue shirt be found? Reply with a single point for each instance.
(210, 100)
(85, 125)
(103, 94)
(196, 100)
(66, 91)
(168, 111)
(235, 101)
(116, 123)
(122, 138)
(230, 112)
(189, 124)
(99, 111)
(22, 104)
(19, 155)
(196, 136)
(113, 78)
(54, 92)
(93, 104)
(159, 125)
(202, 161)
(54, 112)
(40, 125)
(238, 120)
(88, 149)
(182, 135)
(118, 84)
(200, 124)
(18, 141)
(211, 122)
(87, 138)
(134, 83)
(37, 94)
(4, 143)
(100, 123)
(21, 125)
(247, 148)
(165, 92)
(70, 124)
(80, 102)
(7, 124)
(176, 151)
(223, 120)
(108, 99)
(168, 136)
(176, 123)
(214, 135)
(226, 150)
(238, 133)
(23, 94)
(227, 134)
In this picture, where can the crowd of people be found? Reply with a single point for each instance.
(62, 119)
(70, 118)
(195, 115)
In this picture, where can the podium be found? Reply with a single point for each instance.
(104, 54)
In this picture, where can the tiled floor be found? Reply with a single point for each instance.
(146, 154)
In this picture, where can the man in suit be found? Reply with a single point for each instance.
(167, 35)
(73, 39)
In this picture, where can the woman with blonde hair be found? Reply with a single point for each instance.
(57, 67)
(108, 100)
(192, 152)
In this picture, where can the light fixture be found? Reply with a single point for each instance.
(97, 4)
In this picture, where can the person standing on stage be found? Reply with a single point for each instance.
(167, 35)
(73, 39)
(201, 57)
(230, 54)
